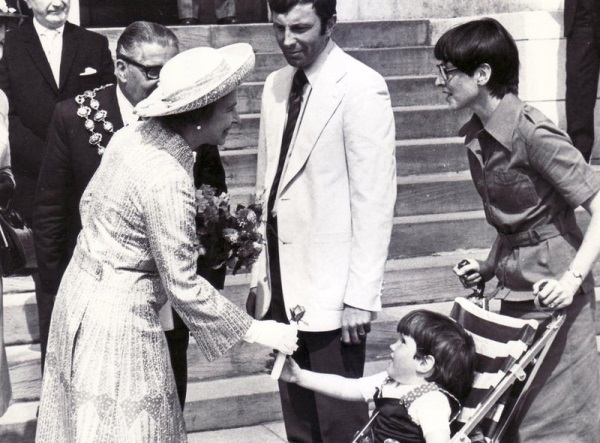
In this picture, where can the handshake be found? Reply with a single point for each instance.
(278, 336)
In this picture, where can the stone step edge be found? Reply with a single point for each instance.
(396, 109)
(407, 77)
(14, 290)
(400, 144)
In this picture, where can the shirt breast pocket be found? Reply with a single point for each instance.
(511, 191)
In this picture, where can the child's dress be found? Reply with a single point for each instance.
(394, 421)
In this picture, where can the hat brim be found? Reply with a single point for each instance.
(240, 60)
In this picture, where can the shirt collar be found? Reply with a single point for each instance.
(500, 126)
(312, 71)
(126, 108)
(42, 30)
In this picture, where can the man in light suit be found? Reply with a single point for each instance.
(327, 176)
(45, 61)
(582, 30)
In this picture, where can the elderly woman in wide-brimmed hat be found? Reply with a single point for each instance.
(8, 18)
(107, 375)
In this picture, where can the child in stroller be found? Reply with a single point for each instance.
(419, 395)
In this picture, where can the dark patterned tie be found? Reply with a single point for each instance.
(294, 104)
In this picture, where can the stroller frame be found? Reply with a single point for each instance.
(534, 355)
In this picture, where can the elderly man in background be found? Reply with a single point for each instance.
(46, 60)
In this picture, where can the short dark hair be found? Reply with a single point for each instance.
(325, 9)
(145, 32)
(471, 44)
(448, 343)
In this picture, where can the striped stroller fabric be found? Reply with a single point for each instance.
(499, 341)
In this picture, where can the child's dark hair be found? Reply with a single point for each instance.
(471, 44)
(448, 343)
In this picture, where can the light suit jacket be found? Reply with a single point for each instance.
(336, 197)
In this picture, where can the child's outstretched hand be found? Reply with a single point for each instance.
(291, 371)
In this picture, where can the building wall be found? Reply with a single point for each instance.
(411, 9)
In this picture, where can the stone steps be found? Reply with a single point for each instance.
(372, 35)
(225, 400)
(409, 90)
(413, 157)
(412, 122)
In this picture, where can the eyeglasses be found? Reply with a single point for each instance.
(151, 72)
(443, 71)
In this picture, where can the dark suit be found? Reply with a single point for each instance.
(582, 29)
(68, 166)
(27, 80)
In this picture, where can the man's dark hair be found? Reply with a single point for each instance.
(325, 9)
(145, 32)
(471, 44)
(448, 343)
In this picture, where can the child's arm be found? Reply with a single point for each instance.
(328, 384)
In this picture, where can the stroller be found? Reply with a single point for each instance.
(508, 350)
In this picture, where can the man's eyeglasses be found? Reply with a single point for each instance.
(443, 71)
(151, 72)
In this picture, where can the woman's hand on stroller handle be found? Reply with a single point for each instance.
(554, 294)
(468, 273)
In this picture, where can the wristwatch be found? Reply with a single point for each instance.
(575, 274)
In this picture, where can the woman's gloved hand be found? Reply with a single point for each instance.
(273, 335)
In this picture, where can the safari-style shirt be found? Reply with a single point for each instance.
(531, 179)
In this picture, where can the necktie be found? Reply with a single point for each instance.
(51, 48)
(277, 307)
(294, 104)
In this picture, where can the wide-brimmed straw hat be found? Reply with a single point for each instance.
(197, 77)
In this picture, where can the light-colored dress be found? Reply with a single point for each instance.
(5, 388)
(107, 376)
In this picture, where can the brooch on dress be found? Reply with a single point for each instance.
(99, 116)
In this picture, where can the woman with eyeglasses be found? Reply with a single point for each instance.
(530, 178)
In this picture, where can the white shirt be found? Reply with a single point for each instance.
(126, 108)
(52, 43)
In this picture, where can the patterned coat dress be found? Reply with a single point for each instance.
(107, 376)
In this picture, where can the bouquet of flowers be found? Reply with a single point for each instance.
(225, 237)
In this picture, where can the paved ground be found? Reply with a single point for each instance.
(267, 433)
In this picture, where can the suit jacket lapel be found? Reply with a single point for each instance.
(69, 50)
(324, 99)
(277, 115)
(35, 50)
